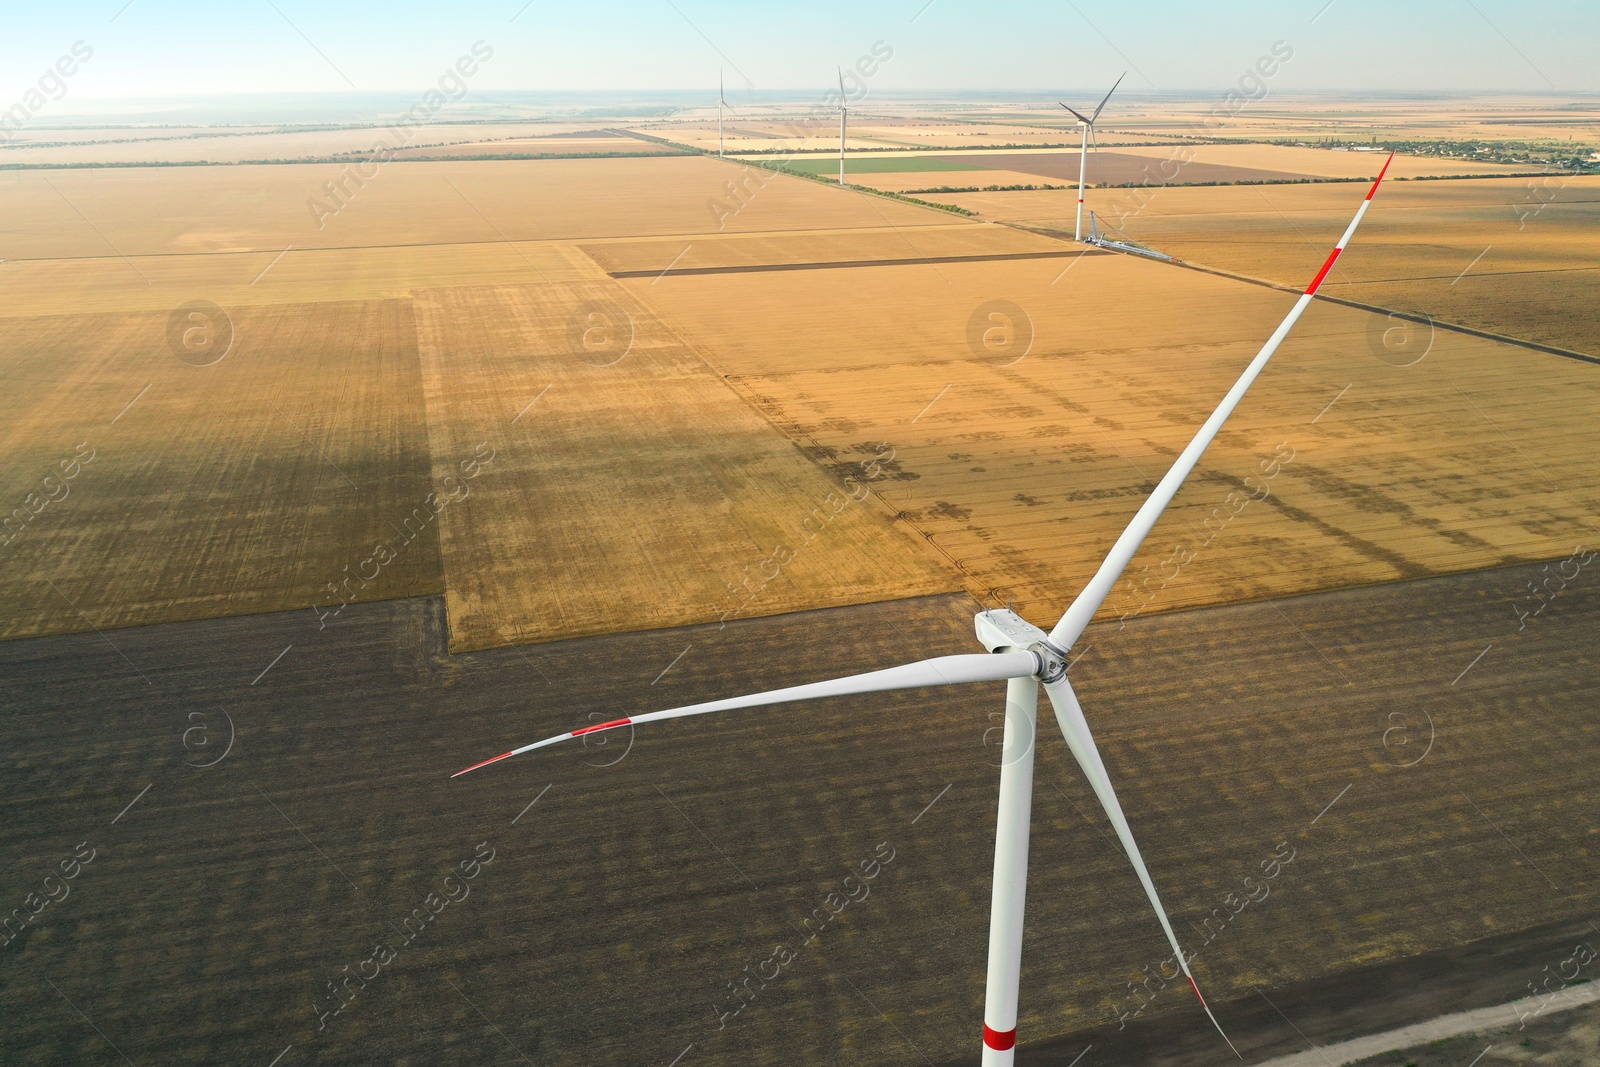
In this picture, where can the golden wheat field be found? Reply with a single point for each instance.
(1514, 256)
(151, 211)
(1018, 513)
(341, 404)
(621, 462)
(260, 481)
(1020, 467)
(659, 256)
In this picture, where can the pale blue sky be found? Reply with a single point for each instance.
(186, 48)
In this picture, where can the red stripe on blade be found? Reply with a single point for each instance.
(1323, 273)
(485, 763)
(601, 726)
(1381, 173)
(999, 1041)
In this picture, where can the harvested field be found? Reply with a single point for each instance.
(1226, 733)
(138, 212)
(295, 275)
(259, 483)
(1021, 471)
(1419, 248)
(622, 464)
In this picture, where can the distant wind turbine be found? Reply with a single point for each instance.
(721, 103)
(1083, 153)
(1025, 657)
(844, 111)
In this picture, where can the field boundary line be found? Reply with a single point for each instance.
(758, 268)
(1424, 320)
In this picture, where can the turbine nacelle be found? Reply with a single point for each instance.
(1003, 630)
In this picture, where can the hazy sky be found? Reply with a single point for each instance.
(183, 48)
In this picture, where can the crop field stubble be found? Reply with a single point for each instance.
(722, 835)
(1022, 466)
(357, 408)
(623, 463)
(243, 486)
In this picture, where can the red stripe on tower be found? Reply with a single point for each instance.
(999, 1041)
(1323, 273)
(601, 726)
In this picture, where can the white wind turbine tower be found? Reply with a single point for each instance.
(1083, 154)
(844, 112)
(722, 102)
(1025, 657)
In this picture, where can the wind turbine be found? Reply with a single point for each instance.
(721, 103)
(844, 111)
(1083, 153)
(1025, 657)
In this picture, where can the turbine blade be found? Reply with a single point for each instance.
(841, 85)
(1075, 728)
(1109, 91)
(944, 670)
(1088, 601)
(1076, 115)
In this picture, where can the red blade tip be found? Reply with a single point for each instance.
(485, 763)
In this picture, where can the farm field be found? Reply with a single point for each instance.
(817, 129)
(591, 142)
(1003, 168)
(154, 211)
(676, 255)
(251, 279)
(1513, 256)
(1310, 162)
(1161, 166)
(259, 483)
(1231, 739)
(737, 484)
(133, 145)
(1019, 468)
(498, 448)
(634, 467)
(1312, 116)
